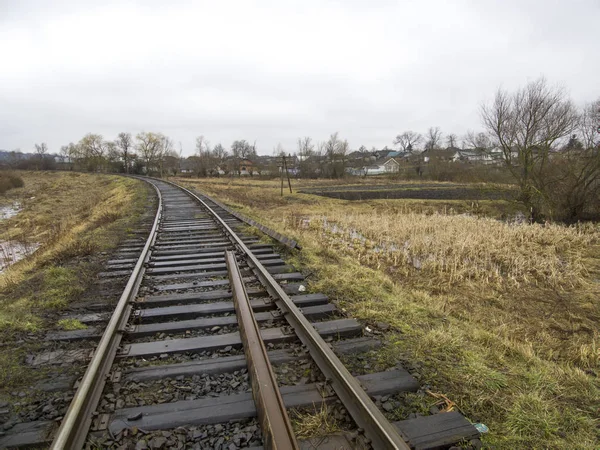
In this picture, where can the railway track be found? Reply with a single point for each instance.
(214, 338)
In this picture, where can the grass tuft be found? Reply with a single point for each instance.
(313, 423)
(71, 325)
(60, 286)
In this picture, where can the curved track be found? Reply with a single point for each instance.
(205, 299)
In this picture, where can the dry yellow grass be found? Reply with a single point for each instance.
(503, 318)
(457, 248)
(70, 215)
(317, 422)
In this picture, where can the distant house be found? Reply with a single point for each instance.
(391, 165)
(217, 170)
(382, 166)
(440, 155)
(475, 155)
(396, 154)
(482, 156)
(246, 167)
(186, 166)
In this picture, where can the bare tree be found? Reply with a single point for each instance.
(201, 145)
(342, 149)
(220, 153)
(202, 160)
(278, 150)
(166, 148)
(149, 147)
(527, 125)
(69, 153)
(124, 144)
(241, 149)
(451, 140)
(64, 152)
(91, 151)
(331, 145)
(589, 125)
(219, 156)
(307, 157)
(336, 151)
(41, 149)
(434, 137)
(40, 153)
(408, 140)
(479, 141)
(113, 156)
(306, 147)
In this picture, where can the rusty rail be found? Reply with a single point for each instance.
(272, 415)
(381, 433)
(76, 423)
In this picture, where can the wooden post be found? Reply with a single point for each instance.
(281, 172)
(288, 175)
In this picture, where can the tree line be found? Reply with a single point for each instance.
(550, 147)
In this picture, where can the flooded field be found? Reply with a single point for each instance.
(426, 191)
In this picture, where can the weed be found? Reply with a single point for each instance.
(71, 324)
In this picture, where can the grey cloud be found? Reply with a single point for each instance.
(274, 71)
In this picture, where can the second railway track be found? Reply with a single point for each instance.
(207, 306)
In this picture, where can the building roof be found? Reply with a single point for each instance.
(438, 153)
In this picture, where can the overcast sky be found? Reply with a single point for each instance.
(273, 71)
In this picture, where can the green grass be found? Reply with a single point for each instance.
(71, 324)
(74, 217)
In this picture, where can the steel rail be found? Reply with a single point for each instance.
(76, 423)
(381, 433)
(272, 415)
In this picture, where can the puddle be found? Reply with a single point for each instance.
(12, 251)
(6, 212)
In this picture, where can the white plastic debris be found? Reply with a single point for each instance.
(481, 427)
(368, 330)
(301, 288)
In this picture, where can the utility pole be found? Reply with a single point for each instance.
(281, 171)
(287, 173)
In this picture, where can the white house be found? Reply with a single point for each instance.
(389, 165)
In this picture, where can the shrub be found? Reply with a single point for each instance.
(9, 181)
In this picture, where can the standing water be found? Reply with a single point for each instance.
(13, 251)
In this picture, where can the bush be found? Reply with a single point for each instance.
(9, 181)
(569, 188)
